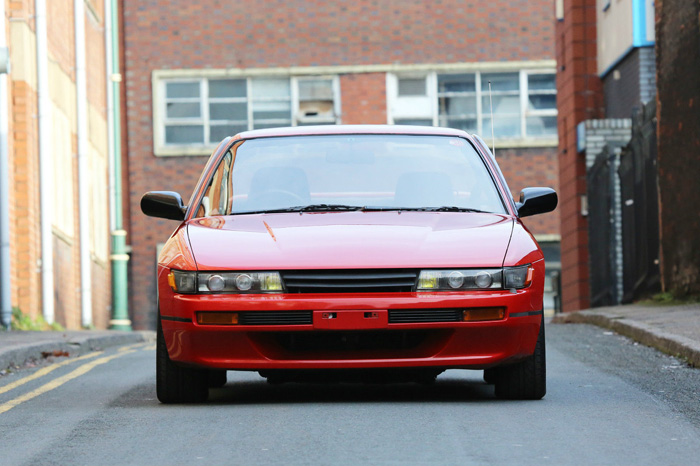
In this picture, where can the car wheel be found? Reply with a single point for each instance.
(176, 384)
(217, 379)
(526, 380)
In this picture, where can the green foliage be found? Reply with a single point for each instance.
(669, 298)
(21, 321)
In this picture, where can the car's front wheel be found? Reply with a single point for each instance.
(526, 380)
(176, 384)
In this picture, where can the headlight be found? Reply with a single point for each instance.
(225, 282)
(517, 277)
(475, 279)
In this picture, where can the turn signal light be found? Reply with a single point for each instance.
(217, 318)
(484, 313)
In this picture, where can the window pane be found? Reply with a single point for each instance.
(500, 82)
(315, 89)
(180, 90)
(457, 83)
(501, 104)
(413, 121)
(219, 132)
(270, 88)
(269, 110)
(227, 88)
(468, 124)
(362, 170)
(183, 110)
(541, 126)
(537, 82)
(542, 101)
(504, 127)
(458, 105)
(259, 125)
(411, 86)
(184, 134)
(228, 111)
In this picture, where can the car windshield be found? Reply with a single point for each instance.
(351, 172)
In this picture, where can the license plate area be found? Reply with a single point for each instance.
(351, 319)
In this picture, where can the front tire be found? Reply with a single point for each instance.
(176, 384)
(526, 380)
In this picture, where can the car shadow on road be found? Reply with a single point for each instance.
(445, 389)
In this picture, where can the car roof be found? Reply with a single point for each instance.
(351, 129)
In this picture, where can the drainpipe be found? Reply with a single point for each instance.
(45, 161)
(5, 295)
(83, 164)
(119, 257)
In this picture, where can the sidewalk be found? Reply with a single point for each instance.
(672, 329)
(18, 347)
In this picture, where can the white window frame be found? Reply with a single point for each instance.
(160, 119)
(398, 107)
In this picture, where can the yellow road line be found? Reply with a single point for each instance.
(43, 371)
(60, 381)
(130, 347)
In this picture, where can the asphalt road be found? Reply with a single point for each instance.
(609, 401)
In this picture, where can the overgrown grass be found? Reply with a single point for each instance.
(669, 298)
(22, 321)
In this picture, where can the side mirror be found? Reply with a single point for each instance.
(535, 201)
(163, 204)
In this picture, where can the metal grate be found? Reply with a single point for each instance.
(404, 316)
(275, 318)
(333, 342)
(349, 281)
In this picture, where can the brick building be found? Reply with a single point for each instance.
(56, 153)
(198, 71)
(605, 66)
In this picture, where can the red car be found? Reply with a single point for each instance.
(335, 252)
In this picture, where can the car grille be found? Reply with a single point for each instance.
(405, 316)
(334, 342)
(349, 281)
(275, 318)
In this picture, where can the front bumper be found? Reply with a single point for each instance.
(358, 336)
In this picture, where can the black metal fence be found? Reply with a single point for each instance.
(623, 223)
(640, 208)
(601, 229)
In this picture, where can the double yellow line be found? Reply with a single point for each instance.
(55, 383)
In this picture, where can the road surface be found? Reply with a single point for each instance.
(609, 402)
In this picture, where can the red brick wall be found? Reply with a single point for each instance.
(579, 97)
(199, 35)
(25, 228)
(25, 235)
(363, 98)
(524, 168)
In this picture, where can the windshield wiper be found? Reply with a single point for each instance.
(303, 208)
(451, 208)
(421, 209)
(329, 208)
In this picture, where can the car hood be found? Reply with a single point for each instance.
(340, 240)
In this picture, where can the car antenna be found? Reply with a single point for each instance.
(493, 137)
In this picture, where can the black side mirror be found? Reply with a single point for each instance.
(535, 201)
(163, 204)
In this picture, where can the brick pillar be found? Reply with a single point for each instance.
(363, 98)
(579, 98)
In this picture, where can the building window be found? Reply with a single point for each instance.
(192, 115)
(523, 103)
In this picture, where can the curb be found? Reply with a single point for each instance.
(73, 345)
(675, 345)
